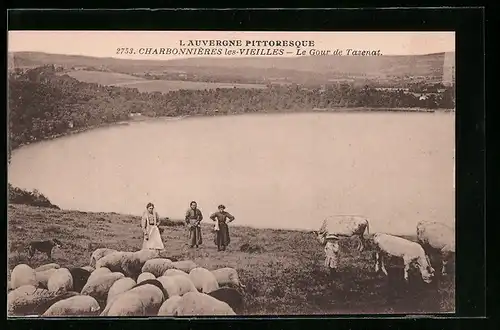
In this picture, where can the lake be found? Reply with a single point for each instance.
(270, 170)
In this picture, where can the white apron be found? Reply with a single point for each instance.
(153, 238)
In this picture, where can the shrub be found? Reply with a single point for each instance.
(33, 198)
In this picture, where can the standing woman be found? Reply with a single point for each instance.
(193, 219)
(221, 228)
(149, 225)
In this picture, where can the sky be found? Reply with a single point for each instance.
(105, 43)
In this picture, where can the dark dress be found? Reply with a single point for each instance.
(193, 219)
(222, 238)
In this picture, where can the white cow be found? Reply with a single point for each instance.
(411, 252)
(338, 226)
(437, 239)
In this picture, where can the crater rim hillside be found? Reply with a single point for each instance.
(386, 69)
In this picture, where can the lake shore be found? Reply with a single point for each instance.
(174, 118)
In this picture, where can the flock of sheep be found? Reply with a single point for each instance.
(116, 283)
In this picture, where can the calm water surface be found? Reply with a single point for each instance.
(278, 171)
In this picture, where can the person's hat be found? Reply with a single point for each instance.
(221, 207)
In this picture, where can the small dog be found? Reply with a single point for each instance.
(43, 246)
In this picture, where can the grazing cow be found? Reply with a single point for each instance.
(437, 239)
(344, 226)
(411, 252)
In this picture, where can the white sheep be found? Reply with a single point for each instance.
(98, 272)
(98, 254)
(129, 263)
(169, 307)
(173, 271)
(29, 300)
(21, 275)
(112, 261)
(184, 265)
(90, 269)
(120, 286)
(74, 306)
(43, 276)
(145, 276)
(99, 287)
(203, 279)
(60, 280)
(47, 266)
(227, 276)
(147, 254)
(176, 285)
(196, 303)
(157, 266)
(143, 300)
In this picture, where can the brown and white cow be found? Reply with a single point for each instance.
(334, 228)
(437, 239)
(412, 253)
(338, 226)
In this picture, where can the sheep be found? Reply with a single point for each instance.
(99, 287)
(74, 306)
(21, 275)
(169, 306)
(90, 269)
(29, 300)
(80, 278)
(47, 266)
(227, 276)
(230, 296)
(145, 299)
(203, 279)
(176, 285)
(112, 261)
(98, 272)
(157, 266)
(196, 303)
(147, 254)
(129, 263)
(43, 276)
(184, 265)
(120, 286)
(98, 254)
(145, 276)
(173, 271)
(60, 280)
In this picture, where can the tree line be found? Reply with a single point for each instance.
(44, 103)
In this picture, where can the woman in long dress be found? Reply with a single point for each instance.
(221, 228)
(149, 225)
(193, 219)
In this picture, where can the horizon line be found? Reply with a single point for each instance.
(215, 57)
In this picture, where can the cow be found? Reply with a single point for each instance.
(412, 253)
(438, 240)
(336, 227)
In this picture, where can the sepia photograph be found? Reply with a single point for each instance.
(230, 173)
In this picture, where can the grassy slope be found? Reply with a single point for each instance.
(287, 278)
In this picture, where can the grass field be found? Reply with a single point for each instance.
(144, 85)
(286, 277)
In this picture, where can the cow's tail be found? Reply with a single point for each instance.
(367, 227)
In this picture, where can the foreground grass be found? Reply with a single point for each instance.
(286, 277)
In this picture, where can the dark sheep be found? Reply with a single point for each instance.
(230, 296)
(80, 277)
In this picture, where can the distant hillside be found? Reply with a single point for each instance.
(437, 67)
